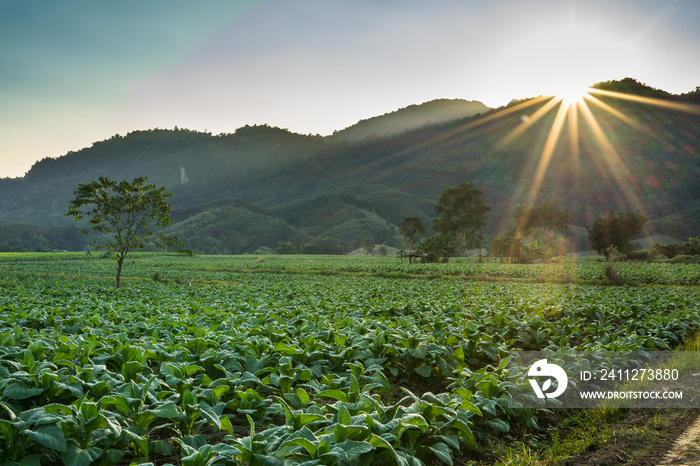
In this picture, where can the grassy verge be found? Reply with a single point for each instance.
(596, 436)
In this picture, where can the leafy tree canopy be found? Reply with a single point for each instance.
(542, 218)
(462, 212)
(437, 247)
(615, 229)
(124, 216)
(507, 245)
(411, 229)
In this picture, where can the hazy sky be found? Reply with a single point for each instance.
(78, 71)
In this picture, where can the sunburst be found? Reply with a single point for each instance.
(571, 104)
(572, 109)
(571, 94)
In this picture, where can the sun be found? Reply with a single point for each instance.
(570, 93)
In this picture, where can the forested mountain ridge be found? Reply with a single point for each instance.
(410, 118)
(264, 186)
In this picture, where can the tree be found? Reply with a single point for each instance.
(541, 222)
(615, 229)
(437, 247)
(507, 245)
(411, 229)
(124, 215)
(462, 212)
(368, 244)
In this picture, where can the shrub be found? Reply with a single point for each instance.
(640, 255)
(613, 275)
(612, 254)
(670, 250)
(692, 247)
(685, 259)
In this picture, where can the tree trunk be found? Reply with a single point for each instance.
(120, 261)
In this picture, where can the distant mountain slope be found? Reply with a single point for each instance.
(262, 186)
(410, 118)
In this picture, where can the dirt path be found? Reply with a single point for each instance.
(647, 437)
(686, 450)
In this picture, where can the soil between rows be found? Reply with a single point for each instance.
(643, 437)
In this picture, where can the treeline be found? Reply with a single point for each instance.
(678, 252)
(540, 232)
(634, 87)
(28, 237)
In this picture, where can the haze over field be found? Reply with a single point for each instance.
(78, 72)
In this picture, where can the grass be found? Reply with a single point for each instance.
(590, 430)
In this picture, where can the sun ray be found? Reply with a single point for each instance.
(505, 112)
(547, 152)
(462, 129)
(534, 182)
(573, 131)
(614, 112)
(617, 168)
(679, 106)
(574, 142)
(525, 125)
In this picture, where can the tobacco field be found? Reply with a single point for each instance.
(298, 360)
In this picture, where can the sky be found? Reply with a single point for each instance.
(80, 71)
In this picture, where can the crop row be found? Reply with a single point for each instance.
(287, 369)
(223, 268)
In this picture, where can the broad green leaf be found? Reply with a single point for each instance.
(209, 414)
(9, 410)
(140, 443)
(342, 433)
(343, 416)
(303, 396)
(160, 447)
(349, 449)
(306, 444)
(112, 424)
(424, 371)
(289, 416)
(498, 424)
(166, 410)
(75, 456)
(458, 354)
(443, 453)
(192, 369)
(451, 440)
(407, 460)
(266, 460)
(29, 460)
(226, 425)
(74, 388)
(465, 432)
(50, 436)
(20, 391)
(113, 455)
(306, 418)
(469, 406)
(413, 419)
(335, 394)
(247, 377)
(282, 347)
(118, 401)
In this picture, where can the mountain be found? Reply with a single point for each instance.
(410, 118)
(267, 187)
